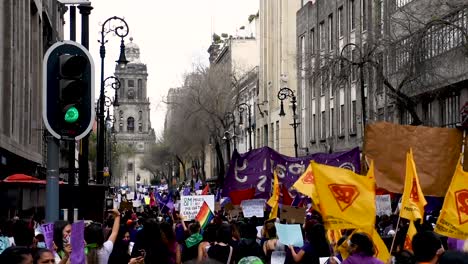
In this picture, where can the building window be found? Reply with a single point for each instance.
(312, 49)
(341, 116)
(120, 126)
(427, 114)
(265, 135)
(130, 124)
(332, 121)
(322, 84)
(140, 127)
(130, 166)
(380, 114)
(352, 14)
(323, 125)
(353, 121)
(354, 68)
(277, 135)
(140, 115)
(122, 88)
(272, 135)
(401, 3)
(314, 122)
(131, 83)
(450, 110)
(364, 14)
(330, 32)
(322, 37)
(340, 21)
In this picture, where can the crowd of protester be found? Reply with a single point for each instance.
(164, 236)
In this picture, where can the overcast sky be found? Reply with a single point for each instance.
(172, 35)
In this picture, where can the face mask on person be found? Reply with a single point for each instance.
(41, 245)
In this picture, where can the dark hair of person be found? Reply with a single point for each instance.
(58, 233)
(454, 257)
(14, 255)
(209, 235)
(404, 257)
(150, 240)
(341, 240)
(224, 233)
(270, 230)
(38, 253)
(93, 235)
(167, 233)
(364, 244)
(425, 245)
(194, 227)
(235, 231)
(40, 237)
(316, 235)
(248, 231)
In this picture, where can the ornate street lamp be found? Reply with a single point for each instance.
(119, 27)
(242, 108)
(282, 95)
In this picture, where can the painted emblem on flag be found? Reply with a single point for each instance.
(461, 198)
(414, 192)
(308, 178)
(344, 194)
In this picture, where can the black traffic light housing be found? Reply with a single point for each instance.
(68, 91)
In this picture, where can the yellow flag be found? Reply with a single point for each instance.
(409, 236)
(381, 250)
(346, 198)
(276, 191)
(413, 201)
(274, 199)
(306, 185)
(453, 219)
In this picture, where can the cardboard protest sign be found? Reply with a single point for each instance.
(293, 215)
(126, 206)
(190, 205)
(290, 234)
(278, 257)
(383, 205)
(254, 207)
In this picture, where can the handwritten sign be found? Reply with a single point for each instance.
(278, 257)
(48, 231)
(254, 207)
(190, 205)
(290, 234)
(77, 243)
(293, 215)
(383, 205)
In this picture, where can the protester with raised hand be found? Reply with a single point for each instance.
(98, 251)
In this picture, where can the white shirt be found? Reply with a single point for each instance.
(105, 251)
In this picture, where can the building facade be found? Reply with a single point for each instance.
(132, 119)
(423, 62)
(28, 29)
(277, 69)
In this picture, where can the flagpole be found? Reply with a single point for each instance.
(396, 232)
(463, 149)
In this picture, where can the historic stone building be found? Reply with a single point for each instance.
(132, 119)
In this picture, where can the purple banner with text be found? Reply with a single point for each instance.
(255, 168)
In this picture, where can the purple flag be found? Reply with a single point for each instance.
(255, 168)
(197, 185)
(48, 230)
(77, 255)
(186, 191)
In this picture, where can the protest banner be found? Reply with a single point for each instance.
(278, 257)
(292, 215)
(190, 205)
(290, 234)
(383, 205)
(48, 231)
(254, 207)
(255, 168)
(77, 242)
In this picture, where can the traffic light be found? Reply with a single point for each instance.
(68, 91)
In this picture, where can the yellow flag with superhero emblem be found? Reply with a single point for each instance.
(413, 201)
(306, 185)
(453, 219)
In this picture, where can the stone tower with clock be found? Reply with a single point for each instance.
(132, 120)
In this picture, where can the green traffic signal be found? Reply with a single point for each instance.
(71, 115)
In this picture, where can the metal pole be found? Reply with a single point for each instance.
(52, 186)
(100, 141)
(293, 101)
(71, 178)
(250, 130)
(73, 22)
(85, 11)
